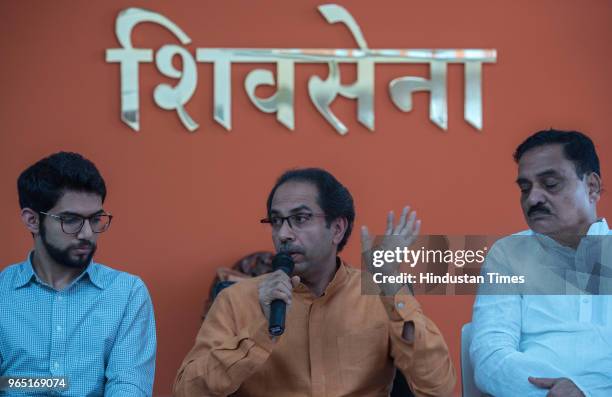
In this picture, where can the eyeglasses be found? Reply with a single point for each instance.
(295, 221)
(73, 224)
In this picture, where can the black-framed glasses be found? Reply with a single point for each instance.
(73, 224)
(295, 221)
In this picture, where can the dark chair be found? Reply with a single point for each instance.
(400, 386)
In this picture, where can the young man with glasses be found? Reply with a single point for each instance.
(68, 324)
(337, 340)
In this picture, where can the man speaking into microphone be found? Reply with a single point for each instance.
(335, 341)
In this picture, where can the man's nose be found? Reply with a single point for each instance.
(285, 233)
(86, 231)
(536, 196)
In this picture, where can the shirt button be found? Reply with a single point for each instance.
(400, 305)
(56, 364)
(59, 298)
(585, 300)
(59, 327)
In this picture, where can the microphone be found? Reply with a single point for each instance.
(278, 307)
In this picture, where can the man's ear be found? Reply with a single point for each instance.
(338, 228)
(594, 187)
(31, 220)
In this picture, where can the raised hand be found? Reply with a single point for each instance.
(399, 236)
(406, 230)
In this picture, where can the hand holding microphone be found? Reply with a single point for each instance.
(275, 292)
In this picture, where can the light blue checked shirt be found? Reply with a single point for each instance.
(99, 332)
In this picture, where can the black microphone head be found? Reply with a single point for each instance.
(284, 262)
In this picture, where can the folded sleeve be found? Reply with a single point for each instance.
(424, 360)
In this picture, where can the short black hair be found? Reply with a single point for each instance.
(577, 148)
(42, 184)
(334, 199)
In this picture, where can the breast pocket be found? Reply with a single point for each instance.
(362, 354)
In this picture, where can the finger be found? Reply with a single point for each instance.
(402, 221)
(409, 229)
(280, 274)
(273, 282)
(411, 237)
(565, 387)
(277, 284)
(279, 294)
(287, 282)
(275, 276)
(417, 229)
(286, 287)
(279, 277)
(295, 281)
(389, 223)
(543, 383)
(366, 240)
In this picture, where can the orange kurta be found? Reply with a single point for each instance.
(341, 343)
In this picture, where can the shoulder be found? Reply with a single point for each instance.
(9, 271)
(117, 281)
(241, 290)
(357, 284)
(353, 274)
(514, 241)
(352, 271)
(515, 236)
(10, 274)
(239, 301)
(112, 273)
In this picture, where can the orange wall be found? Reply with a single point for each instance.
(188, 203)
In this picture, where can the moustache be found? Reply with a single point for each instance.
(289, 249)
(538, 208)
(85, 245)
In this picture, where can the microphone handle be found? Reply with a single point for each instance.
(277, 317)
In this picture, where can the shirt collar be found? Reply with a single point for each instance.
(600, 227)
(597, 228)
(95, 275)
(26, 273)
(340, 278)
(92, 272)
